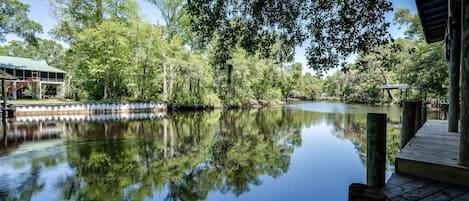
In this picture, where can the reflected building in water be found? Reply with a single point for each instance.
(16, 133)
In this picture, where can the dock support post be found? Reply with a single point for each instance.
(4, 96)
(424, 113)
(464, 135)
(418, 116)
(454, 65)
(376, 149)
(362, 192)
(408, 121)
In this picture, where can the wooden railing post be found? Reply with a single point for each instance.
(376, 149)
(408, 121)
(464, 134)
(454, 65)
(424, 113)
(418, 116)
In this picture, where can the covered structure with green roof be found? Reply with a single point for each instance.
(31, 72)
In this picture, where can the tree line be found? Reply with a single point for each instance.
(222, 53)
(111, 53)
(409, 60)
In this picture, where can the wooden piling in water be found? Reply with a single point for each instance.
(362, 192)
(376, 149)
(409, 121)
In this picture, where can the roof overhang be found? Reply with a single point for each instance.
(433, 16)
(6, 76)
(401, 86)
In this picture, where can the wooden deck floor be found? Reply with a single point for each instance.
(404, 188)
(433, 153)
(427, 167)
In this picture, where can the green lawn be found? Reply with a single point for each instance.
(41, 102)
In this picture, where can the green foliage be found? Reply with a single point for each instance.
(335, 29)
(428, 68)
(14, 20)
(404, 61)
(49, 50)
(76, 15)
(111, 54)
(186, 156)
(105, 54)
(403, 17)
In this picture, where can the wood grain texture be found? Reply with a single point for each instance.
(404, 188)
(433, 153)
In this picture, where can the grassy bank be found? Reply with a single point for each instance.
(43, 101)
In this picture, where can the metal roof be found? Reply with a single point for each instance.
(433, 16)
(5, 76)
(19, 63)
(401, 86)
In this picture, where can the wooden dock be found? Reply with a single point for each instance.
(404, 188)
(427, 167)
(433, 153)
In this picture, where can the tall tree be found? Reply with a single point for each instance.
(172, 11)
(103, 54)
(45, 49)
(334, 29)
(76, 15)
(14, 20)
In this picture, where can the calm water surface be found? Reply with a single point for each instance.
(306, 151)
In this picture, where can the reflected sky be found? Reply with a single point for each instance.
(307, 151)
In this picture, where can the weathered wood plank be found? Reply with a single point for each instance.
(449, 193)
(376, 151)
(433, 171)
(409, 119)
(435, 135)
(423, 147)
(362, 192)
(464, 197)
(397, 179)
(433, 153)
(422, 192)
(404, 188)
(464, 141)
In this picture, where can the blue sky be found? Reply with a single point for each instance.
(40, 11)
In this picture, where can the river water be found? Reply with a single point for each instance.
(304, 151)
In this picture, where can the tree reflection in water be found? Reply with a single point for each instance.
(183, 157)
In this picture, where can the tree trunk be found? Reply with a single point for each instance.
(229, 80)
(464, 136)
(165, 138)
(454, 69)
(171, 80)
(385, 79)
(142, 89)
(171, 133)
(190, 86)
(165, 85)
(105, 90)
